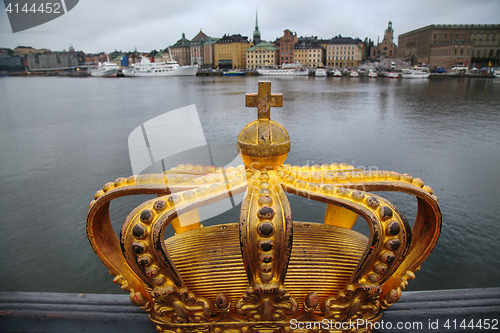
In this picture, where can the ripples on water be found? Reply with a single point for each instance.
(63, 138)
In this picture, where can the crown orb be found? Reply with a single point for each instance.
(263, 143)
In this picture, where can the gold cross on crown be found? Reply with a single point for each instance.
(263, 100)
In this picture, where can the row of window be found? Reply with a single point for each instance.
(261, 56)
(448, 52)
(466, 36)
(306, 55)
(342, 64)
(341, 58)
(344, 52)
(477, 53)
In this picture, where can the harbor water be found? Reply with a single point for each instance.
(62, 139)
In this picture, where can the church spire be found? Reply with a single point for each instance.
(256, 33)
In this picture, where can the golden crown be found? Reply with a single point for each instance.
(266, 273)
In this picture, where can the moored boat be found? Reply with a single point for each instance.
(337, 73)
(233, 73)
(284, 70)
(496, 72)
(168, 68)
(105, 69)
(372, 74)
(415, 73)
(392, 75)
(320, 71)
(458, 69)
(354, 74)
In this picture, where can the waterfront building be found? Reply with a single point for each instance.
(450, 53)
(447, 45)
(197, 50)
(10, 63)
(230, 52)
(208, 52)
(52, 61)
(261, 55)
(256, 32)
(308, 52)
(343, 52)
(181, 51)
(286, 45)
(387, 48)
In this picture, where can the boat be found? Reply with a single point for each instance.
(458, 69)
(496, 72)
(284, 70)
(392, 75)
(372, 74)
(163, 68)
(354, 74)
(320, 71)
(233, 73)
(415, 73)
(105, 69)
(337, 73)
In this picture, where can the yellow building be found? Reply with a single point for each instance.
(308, 52)
(343, 52)
(230, 52)
(262, 54)
(181, 51)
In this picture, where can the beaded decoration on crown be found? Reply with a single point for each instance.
(267, 271)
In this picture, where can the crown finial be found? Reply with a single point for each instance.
(263, 100)
(263, 143)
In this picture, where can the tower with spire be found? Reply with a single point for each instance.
(389, 33)
(256, 32)
(387, 48)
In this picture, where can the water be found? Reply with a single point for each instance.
(61, 139)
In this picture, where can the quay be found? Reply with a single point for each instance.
(417, 311)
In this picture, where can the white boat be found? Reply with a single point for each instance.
(372, 74)
(415, 73)
(284, 70)
(392, 75)
(354, 74)
(105, 69)
(496, 72)
(337, 73)
(320, 71)
(168, 68)
(458, 69)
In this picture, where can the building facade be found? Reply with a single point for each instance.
(387, 48)
(196, 49)
(230, 52)
(208, 53)
(343, 52)
(261, 55)
(447, 54)
(450, 44)
(52, 61)
(309, 52)
(181, 51)
(10, 63)
(286, 46)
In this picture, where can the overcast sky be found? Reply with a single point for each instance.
(99, 25)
